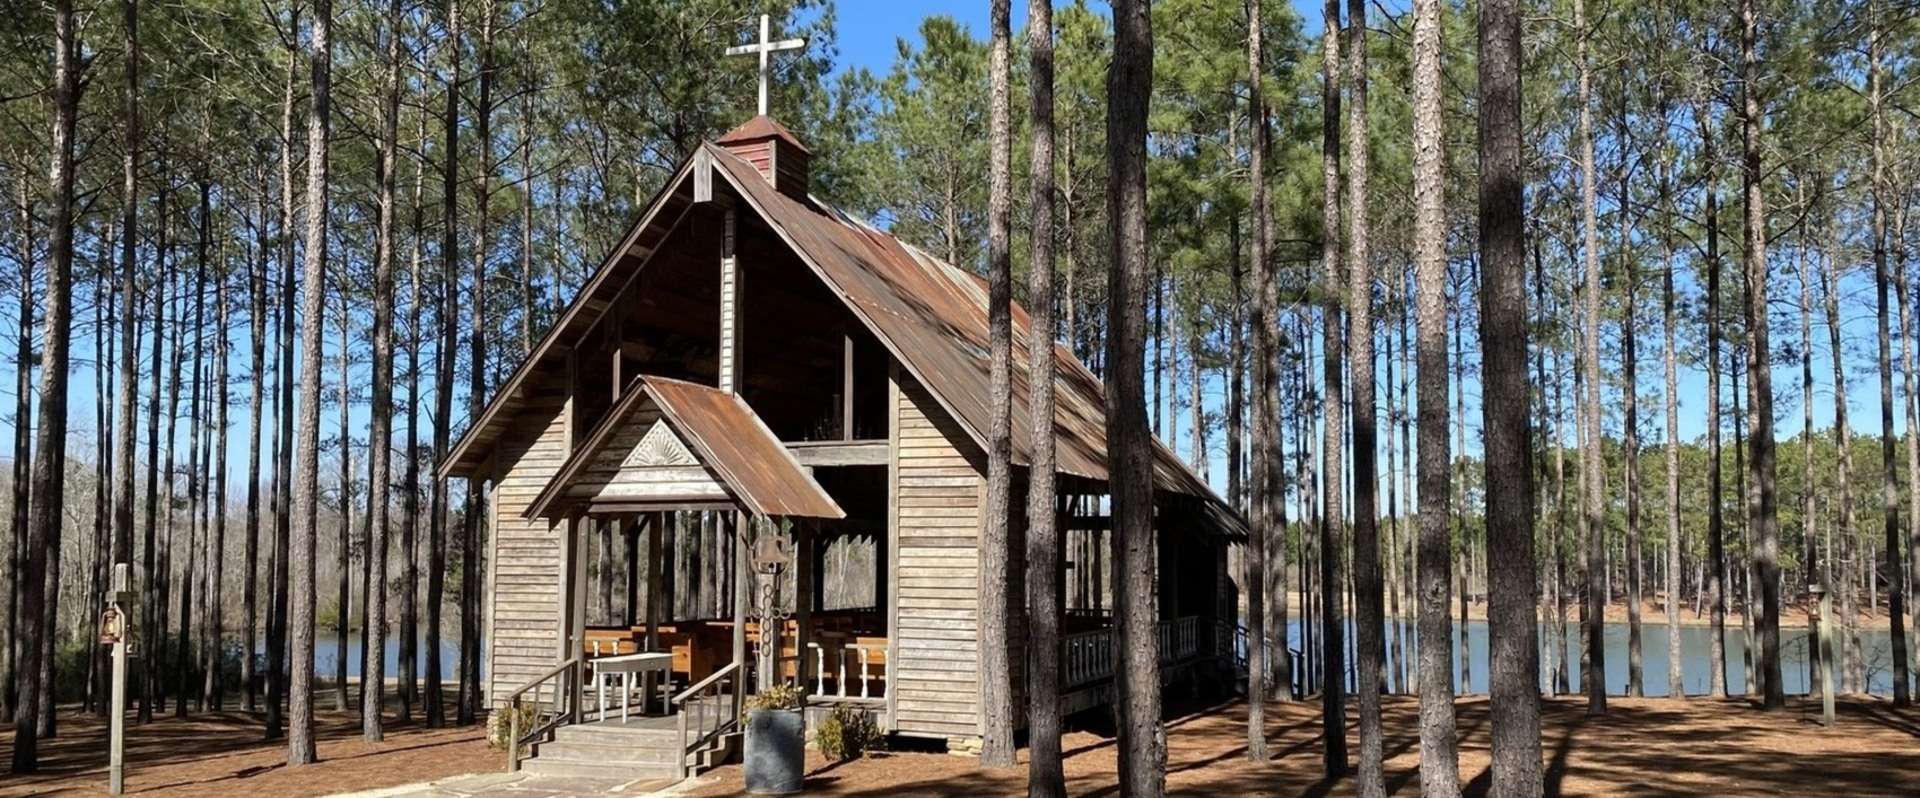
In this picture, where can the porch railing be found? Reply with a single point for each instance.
(1089, 656)
(1274, 650)
(703, 716)
(554, 698)
(863, 655)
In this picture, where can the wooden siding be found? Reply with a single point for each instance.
(526, 556)
(937, 528)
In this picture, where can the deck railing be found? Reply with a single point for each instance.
(702, 716)
(555, 701)
(1088, 656)
(862, 655)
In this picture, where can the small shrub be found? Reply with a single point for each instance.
(779, 696)
(498, 725)
(846, 733)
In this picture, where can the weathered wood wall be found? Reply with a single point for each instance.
(526, 556)
(938, 486)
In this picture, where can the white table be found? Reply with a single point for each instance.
(625, 667)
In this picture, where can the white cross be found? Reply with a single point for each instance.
(764, 49)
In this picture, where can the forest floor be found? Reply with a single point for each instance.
(1643, 746)
(214, 753)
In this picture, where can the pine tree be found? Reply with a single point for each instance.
(1045, 775)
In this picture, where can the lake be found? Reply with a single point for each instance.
(1875, 647)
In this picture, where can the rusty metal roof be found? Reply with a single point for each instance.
(761, 127)
(933, 317)
(725, 435)
(930, 315)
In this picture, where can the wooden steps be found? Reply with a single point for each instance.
(622, 751)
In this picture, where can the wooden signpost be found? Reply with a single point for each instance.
(116, 631)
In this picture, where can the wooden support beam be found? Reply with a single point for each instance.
(846, 389)
(840, 453)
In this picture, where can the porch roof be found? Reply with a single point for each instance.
(723, 434)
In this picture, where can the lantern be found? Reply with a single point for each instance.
(112, 625)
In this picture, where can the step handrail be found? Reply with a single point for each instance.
(566, 679)
(721, 726)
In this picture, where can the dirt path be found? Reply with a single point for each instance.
(1645, 746)
(222, 754)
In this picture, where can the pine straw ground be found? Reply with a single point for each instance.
(1644, 746)
(222, 754)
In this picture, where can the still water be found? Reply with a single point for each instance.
(1695, 671)
(326, 651)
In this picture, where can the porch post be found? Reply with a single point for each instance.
(630, 536)
(803, 560)
(742, 599)
(654, 524)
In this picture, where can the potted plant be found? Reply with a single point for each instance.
(776, 741)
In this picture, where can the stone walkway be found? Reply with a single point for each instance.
(528, 785)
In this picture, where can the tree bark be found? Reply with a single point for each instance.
(300, 740)
(1333, 712)
(1676, 685)
(1513, 651)
(1261, 505)
(1889, 493)
(1142, 746)
(1439, 752)
(49, 450)
(1369, 647)
(1843, 444)
(449, 310)
(996, 666)
(1763, 502)
(1045, 774)
(380, 443)
(470, 573)
(1592, 466)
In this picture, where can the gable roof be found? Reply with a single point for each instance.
(724, 434)
(930, 315)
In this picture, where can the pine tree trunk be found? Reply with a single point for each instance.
(1439, 753)
(216, 592)
(151, 630)
(996, 667)
(195, 483)
(1889, 494)
(300, 741)
(410, 521)
(1045, 776)
(449, 310)
(281, 580)
(1846, 553)
(1142, 745)
(256, 345)
(1630, 439)
(1369, 647)
(1513, 652)
(1333, 712)
(1592, 468)
(49, 450)
(1676, 684)
(470, 573)
(343, 554)
(22, 534)
(1262, 503)
(380, 443)
(1764, 501)
(1716, 503)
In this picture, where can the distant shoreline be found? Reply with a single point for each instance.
(1651, 614)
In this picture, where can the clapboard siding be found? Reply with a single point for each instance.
(937, 513)
(525, 555)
